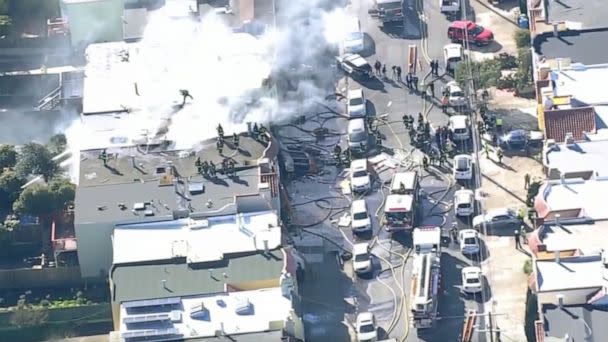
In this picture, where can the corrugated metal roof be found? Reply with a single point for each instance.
(576, 121)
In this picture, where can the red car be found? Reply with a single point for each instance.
(477, 34)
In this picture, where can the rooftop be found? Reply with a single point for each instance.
(574, 193)
(269, 309)
(588, 237)
(581, 323)
(577, 272)
(574, 120)
(165, 180)
(197, 240)
(581, 46)
(177, 279)
(578, 157)
(585, 14)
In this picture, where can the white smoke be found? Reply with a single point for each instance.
(223, 71)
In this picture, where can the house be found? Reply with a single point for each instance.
(572, 298)
(190, 278)
(584, 158)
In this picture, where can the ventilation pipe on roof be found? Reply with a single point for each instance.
(132, 157)
(249, 129)
(557, 256)
(555, 30)
(560, 300)
(266, 249)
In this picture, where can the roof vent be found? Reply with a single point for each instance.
(244, 308)
(569, 140)
(148, 213)
(139, 206)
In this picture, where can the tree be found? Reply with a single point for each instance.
(522, 38)
(37, 200)
(57, 144)
(8, 156)
(485, 73)
(10, 188)
(63, 191)
(524, 66)
(29, 317)
(38, 160)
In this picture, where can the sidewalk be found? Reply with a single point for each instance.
(503, 186)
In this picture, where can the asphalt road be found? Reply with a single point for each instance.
(331, 299)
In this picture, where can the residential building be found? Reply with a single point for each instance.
(576, 159)
(571, 292)
(197, 278)
(572, 200)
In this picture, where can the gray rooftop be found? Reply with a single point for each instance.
(580, 157)
(103, 188)
(591, 14)
(581, 323)
(587, 47)
(138, 282)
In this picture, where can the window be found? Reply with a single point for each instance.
(464, 205)
(477, 30)
(361, 257)
(472, 281)
(360, 216)
(358, 136)
(367, 328)
(470, 241)
(360, 173)
(458, 93)
(357, 101)
(462, 165)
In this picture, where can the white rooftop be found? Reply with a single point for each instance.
(197, 240)
(270, 310)
(579, 157)
(576, 193)
(590, 238)
(586, 83)
(570, 273)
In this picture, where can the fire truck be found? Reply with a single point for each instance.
(426, 276)
(400, 207)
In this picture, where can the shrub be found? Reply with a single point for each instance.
(528, 267)
(522, 38)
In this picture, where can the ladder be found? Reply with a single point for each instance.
(469, 326)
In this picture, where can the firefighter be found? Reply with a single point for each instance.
(442, 159)
(212, 170)
(219, 144)
(338, 154)
(185, 94)
(499, 155)
(379, 141)
(405, 120)
(104, 157)
(235, 138)
(425, 162)
(444, 103)
(432, 157)
(420, 119)
(198, 164)
(205, 168)
(220, 131)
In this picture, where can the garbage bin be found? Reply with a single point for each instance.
(523, 21)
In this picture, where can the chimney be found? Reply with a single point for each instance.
(164, 282)
(555, 30)
(569, 139)
(176, 186)
(266, 249)
(560, 300)
(557, 256)
(133, 161)
(558, 216)
(249, 129)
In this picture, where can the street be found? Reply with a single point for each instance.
(318, 200)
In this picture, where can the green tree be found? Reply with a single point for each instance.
(524, 67)
(10, 188)
(485, 74)
(38, 160)
(37, 200)
(63, 190)
(8, 156)
(522, 38)
(57, 144)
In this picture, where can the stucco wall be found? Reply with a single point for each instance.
(94, 248)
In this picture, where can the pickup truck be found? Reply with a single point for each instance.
(387, 11)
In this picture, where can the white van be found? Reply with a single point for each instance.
(360, 219)
(354, 39)
(357, 135)
(459, 125)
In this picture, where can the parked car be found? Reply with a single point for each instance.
(453, 54)
(357, 135)
(362, 261)
(449, 6)
(355, 65)
(515, 139)
(459, 125)
(468, 239)
(455, 94)
(359, 176)
(497, 218)
(466, 30)
(471, 279)
(366, 327)
(464, 202)
(360, 219)
(355, 105)
(463, 167)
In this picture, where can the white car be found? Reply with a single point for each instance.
(464, 202)
(469, 241)
(359, 176)
(453, 54)
(471, 279)
(459, 125)
(355, 107)
(455, 94)
(497, 218)
(355, 65)
(366, 327)
(360, 219)
(362, 261)
(463, 167)
(354, 42)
